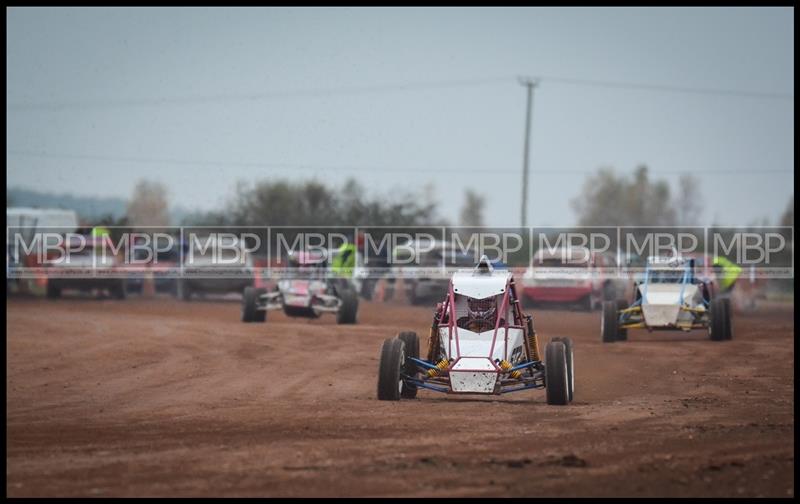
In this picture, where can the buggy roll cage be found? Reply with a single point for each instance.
(687, 278)
(445, 316)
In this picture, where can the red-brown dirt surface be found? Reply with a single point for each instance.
(167, 398)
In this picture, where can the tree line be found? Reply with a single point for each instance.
(606, 199)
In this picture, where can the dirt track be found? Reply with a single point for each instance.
(163, 398)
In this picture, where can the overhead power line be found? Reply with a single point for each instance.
(339, 168)
(269, 95)
(245, 164)
(376, 89)
(669, 88)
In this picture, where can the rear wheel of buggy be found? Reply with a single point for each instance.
(390, 384)
(716, 326)
(250, 311)
(570, 365)
(555, 371)
(348, 311)
(411, 341)
(609, 322)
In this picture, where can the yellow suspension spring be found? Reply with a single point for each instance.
(441, 366)
(505, 366)
(534, 343)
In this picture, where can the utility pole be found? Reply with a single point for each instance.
(530, 84)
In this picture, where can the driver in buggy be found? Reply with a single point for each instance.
(305, 265)
(481, 315)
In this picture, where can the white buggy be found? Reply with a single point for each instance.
(309, 294)
(480, 342)
(669, 297)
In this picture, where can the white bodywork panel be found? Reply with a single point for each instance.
(296, 300)
(660, 315)
(661, 303)
(663, 294)
(516, 345)
(299, 292)
(480, 286)
(473, 374)
(474, 344)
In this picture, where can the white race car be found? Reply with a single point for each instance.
(309, 295)
(480, 343)
(669, 297)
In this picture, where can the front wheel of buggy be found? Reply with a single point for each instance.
(609, 322)
(728, 319)
(411, 341)
(568, 346)
(622, 334)
(556, 379)
(390, 383)
(250, 311)
(348, 311)
(716, 326)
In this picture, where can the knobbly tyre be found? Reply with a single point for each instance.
(480, 342)
(669, 297)
(309, 296)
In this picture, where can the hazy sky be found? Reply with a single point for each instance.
(94, 101)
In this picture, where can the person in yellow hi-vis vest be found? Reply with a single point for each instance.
(344, 262)
(727, 273)
(100, 233)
